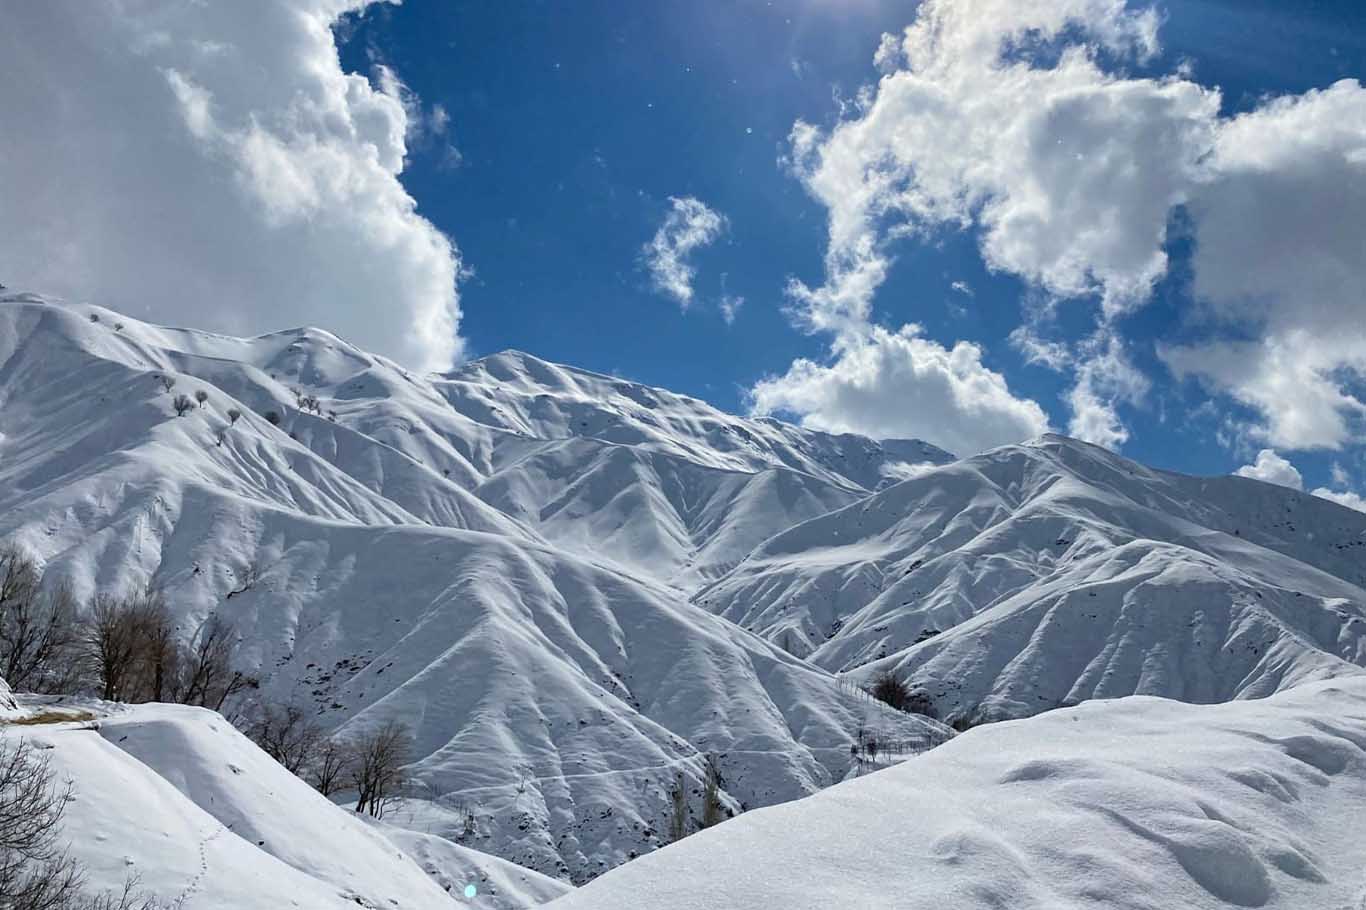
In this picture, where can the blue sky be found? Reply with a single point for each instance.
(963, 220)
(575, 124)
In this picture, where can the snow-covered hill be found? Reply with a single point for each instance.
(572, 587)
(1051, 572)
(180, 800)
(552, 692)
(1134, 804)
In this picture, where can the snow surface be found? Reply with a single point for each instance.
(1043, 574)
(553, 691)
(1133, 804)
(181, 800)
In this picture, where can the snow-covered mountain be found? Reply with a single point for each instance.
(572, 587)
(1051, 572)
(1134, 804)
(552, 691)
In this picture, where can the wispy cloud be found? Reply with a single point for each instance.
(688, 226)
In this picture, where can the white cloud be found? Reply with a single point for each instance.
(1105, 379)
(211, 164)
(1272, 468)
(1340, 475)
(730, 307)
(963, 288)
(900, 384)
(1280, 249)
(688, 226)
(1069, 172)
(1343, 498)
(1070, 168)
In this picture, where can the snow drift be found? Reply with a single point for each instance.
(1133, 804)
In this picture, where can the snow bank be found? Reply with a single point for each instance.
(1133, 804)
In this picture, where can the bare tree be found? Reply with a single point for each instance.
(713, 812)
(329, 766)
(167, 382)
(234, 415)
(160, 656)
(111, 640)
(37, 628)
(377, 768)
(210, 677)
(678, 814)
(288, 735)
(182, 403)
(35, 872)
(201, 396)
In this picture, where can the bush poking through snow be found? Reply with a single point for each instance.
(891, 689)
(272, 417)
(377, 766)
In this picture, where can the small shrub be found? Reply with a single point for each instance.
(273, 418)
(94, 317)
(890, 689)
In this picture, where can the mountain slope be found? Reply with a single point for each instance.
(552, 694)
(1135, 804)
(1045, 573)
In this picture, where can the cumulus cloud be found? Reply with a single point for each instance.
(1272, 468)
(1022, 122)
(899, 384)
(1280, 248)
(688, 226)
(211, 164)
(1343, 498)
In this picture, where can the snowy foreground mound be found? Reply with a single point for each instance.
(178, 798)
(1133, 804)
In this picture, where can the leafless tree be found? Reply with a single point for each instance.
(210, 676)
(329, 766)
(160, 656)
(36, 873)
(234, 415)
(167, 382)
(111, 640)
(678, 814)
(201, 396)
(288, 735)
(712, 810)
(37, 628)
(377, 766)
(182, 404)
